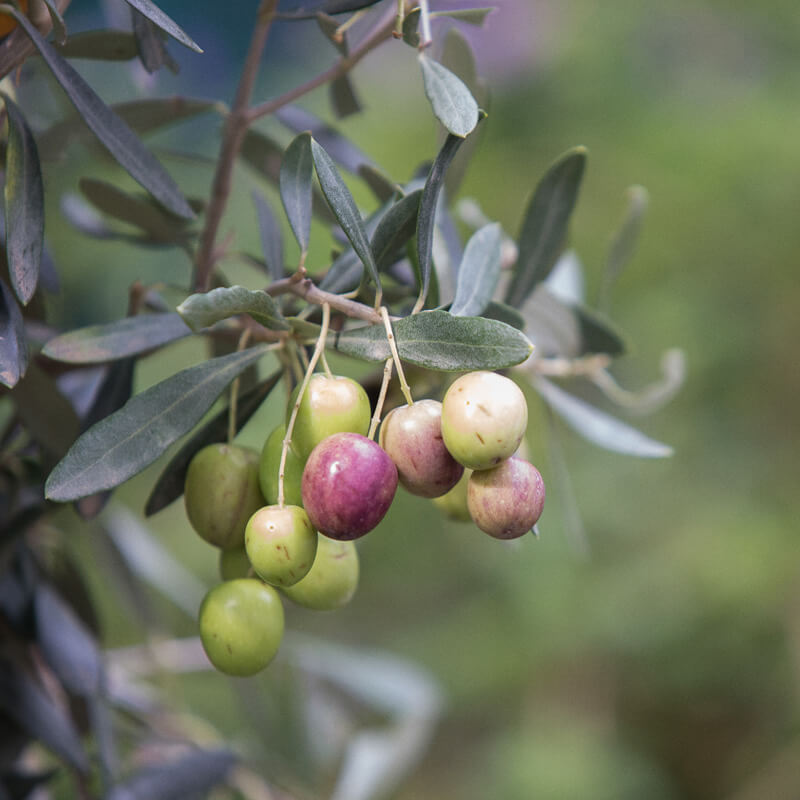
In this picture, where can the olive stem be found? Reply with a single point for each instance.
(376, 417)
(243, 340)
(325, 365)
(404, 387)
(287, 439)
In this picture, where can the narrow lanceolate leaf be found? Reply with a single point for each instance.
(101, 45)
(295, 184)
(151, 44)
(117, 137)
(451, 100)
(122, 445)
(344, 99)
(427, 209)
(24, 196)
(332, 7)
(13, 350)
(169, 485)
(204, 309)
(271, 236)
(344, 207)
(395, 229)
(479, 272)
(159, 18)
(472, 16)
(57, 21)
(126, 337)
(597, 426)
(544, 228)
(437, 340)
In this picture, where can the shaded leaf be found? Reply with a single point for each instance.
(544, 227)
(151, 45)
(336, 145)
(117, 137)
(379, 184)
(126, 442)
(479, 272)
(344, 207)
(192, 775)
(271, 236)
(204, 309)
(13, 350)
(597, 426)
(159, 18)
(472, 16)
(297, 168)
(23, 701)
(169, 486)
(437, 340)
(326, 7)
(48, 273)
(102, 45)
(451, 100)
(57, 21)
(503, 313)
(411, 28)
(395, 228)
(330, 29)
(24, 197)
(125, 337)
(343, 97)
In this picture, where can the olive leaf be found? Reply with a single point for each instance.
(297, 168)
(479, 272)
(13, 349)
(204, 309)
(159, 18)
(451, 100)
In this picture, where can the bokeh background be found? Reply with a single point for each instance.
(665, 663)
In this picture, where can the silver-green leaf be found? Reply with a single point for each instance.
(451, 100)
(297, 168)
(204, 309)
(479, 272)
(159, 18)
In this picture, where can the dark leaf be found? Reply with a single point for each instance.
(24, 196)
(344, 207)
(169, 486)
(451, 100)
(150, 44)
(544, 227)
(380, 185)
(297, 169)
(109, 45)
(204, 309)
(48, 273)
(330, 29)
(32, 709)
(13, 350)
(192, 775)
(503, 313)
(440, 341)
(395, 228)
(479, 272)
(410, 28)
(326, 7)
(125, 337)
(159, 18)
(66, 643)
(343, 97)
(336, 145)
(597, 426)
(271, 236)
(472, 16)
(57, 21)
(118, 138)
(123, 444)
(21, 785)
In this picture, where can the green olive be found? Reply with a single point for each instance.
(269, 467)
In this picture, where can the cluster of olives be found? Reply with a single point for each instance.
(338, 485)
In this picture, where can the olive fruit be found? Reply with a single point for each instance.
(349, 483)
(280, 543)
(412, 437)
(221, 493)
(234, 564)
(329, 405)
(454, 503)
(332, 580)
(269, 468)
(506, 501)
(241, 626)
(484, 416)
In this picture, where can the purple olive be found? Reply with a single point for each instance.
(412, 436)
(507, 500)
(348, 485)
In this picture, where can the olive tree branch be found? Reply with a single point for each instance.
(308, 291)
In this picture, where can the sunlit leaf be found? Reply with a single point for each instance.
(451, 100)
(113, 340)
(297, 167)
(544, 227)
(13, 350)
(159, 18)
(479, 272)
(437, 340)
(123, 444)
(597, 426)
(204, 309)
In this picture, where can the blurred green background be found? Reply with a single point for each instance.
(666, 663)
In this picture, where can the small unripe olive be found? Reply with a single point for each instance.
(269, 467)
(332, 580)
(484, 416)
(329, 405)
(349, 483)
(221, 493)
(234, 564)
(454, 502)
(507, 500)
(281, 544)
(412, 437)
(241, 626)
